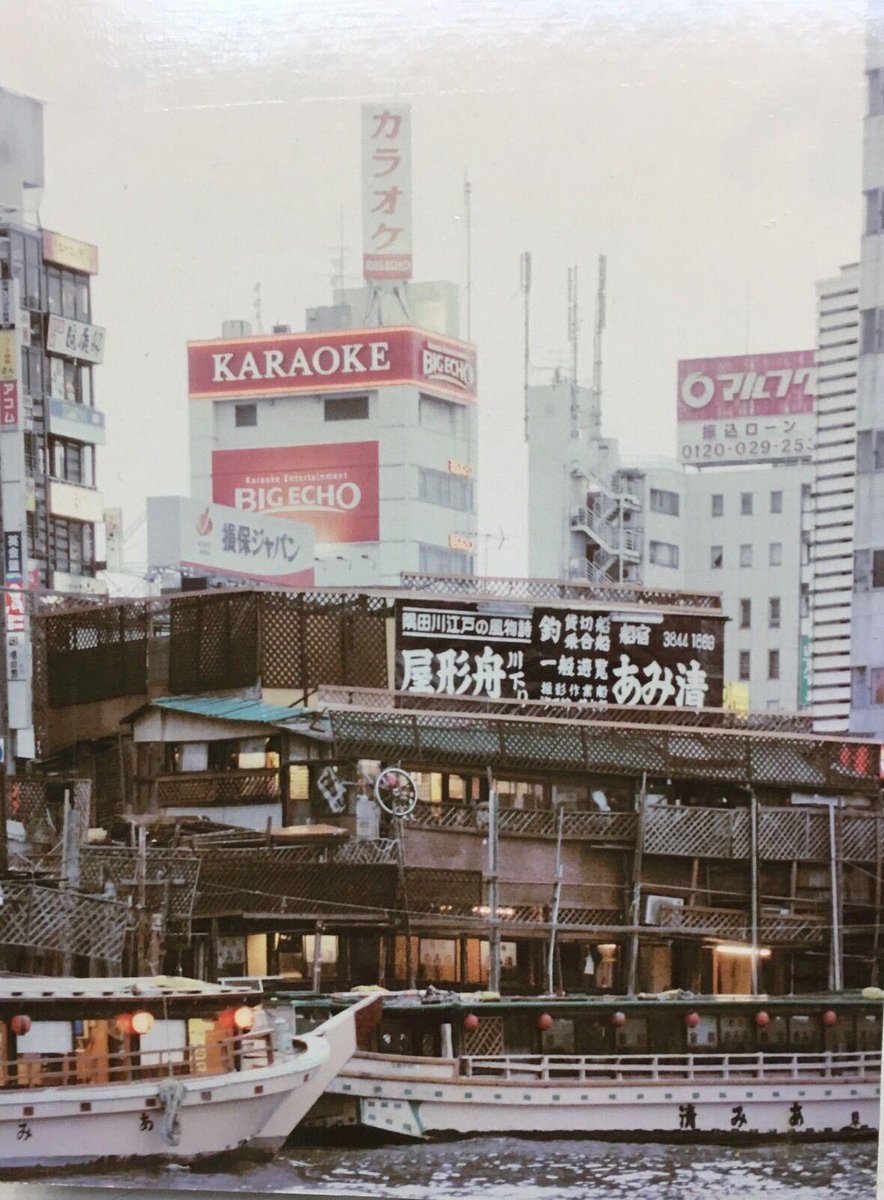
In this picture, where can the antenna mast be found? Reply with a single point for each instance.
(596, 411)
(525, 285)
(468, 222)
(573, 338)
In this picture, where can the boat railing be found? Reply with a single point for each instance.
(554, 1068)
(240, 1052)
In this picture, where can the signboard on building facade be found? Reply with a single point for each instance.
(70, 252)
(386, 191)
(192, 535)
(342, 361)
(748, 408)
(333, 487)
(599, 656)
(76, 339)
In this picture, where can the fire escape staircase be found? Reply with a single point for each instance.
(603, 520)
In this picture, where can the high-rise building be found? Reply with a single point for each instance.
(49, 424)
(367, 432)
(867, 616)
(830, 571)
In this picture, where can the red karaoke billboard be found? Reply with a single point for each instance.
(333, 488)
(349, 361)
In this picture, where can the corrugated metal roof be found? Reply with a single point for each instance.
(234, 708)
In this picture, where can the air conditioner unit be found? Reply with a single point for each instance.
(655, 906)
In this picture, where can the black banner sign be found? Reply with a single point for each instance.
(598, 656)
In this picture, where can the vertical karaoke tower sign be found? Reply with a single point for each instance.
(386, 199)
(14, 421)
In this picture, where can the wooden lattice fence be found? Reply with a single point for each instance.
(63, 922)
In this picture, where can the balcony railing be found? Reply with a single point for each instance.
(733, 924)
(216, 787)
(784, 834)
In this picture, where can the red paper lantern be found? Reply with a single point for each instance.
(762, 1018)
(692, 1020)
(124, 1023)
(226, 1018)
(471, 1022)
(830, 1018)
(20, 1024)
(544, 1021)
(618, 1018)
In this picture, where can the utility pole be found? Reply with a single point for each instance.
(141, 901)
(595, 415)
(574, 339)
(556, 904)
(492, 880)
(525, 285)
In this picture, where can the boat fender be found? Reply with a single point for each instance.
(171, 1097)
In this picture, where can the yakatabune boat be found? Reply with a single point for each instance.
(115, 1069)
(672, 1067)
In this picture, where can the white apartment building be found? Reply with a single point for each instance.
(867, 617)
(830, 572)
(366, 432)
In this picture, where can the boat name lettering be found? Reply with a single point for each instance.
(146, 1123)
(24, 1131)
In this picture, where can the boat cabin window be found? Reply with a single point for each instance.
(704, 1035)
(804, 1032)
(868, 1031)
(594, 1035)
(519, 1033)
(774, 1035)
(736, 1035)
(559, 1038)
(632, 1035)
(395, 1036)
(164, 1043)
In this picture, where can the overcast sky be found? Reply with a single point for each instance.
(711, 151)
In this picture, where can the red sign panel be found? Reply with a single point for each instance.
(748, 385)
(324, 362)
(333, 487)
(9, 404)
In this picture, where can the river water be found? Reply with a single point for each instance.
(519, 1169)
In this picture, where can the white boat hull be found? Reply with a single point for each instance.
(394, 1099)
(66, 1126)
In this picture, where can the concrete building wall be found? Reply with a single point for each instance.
(748, 534)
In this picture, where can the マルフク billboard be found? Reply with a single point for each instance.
(746, 408)
(603, 656)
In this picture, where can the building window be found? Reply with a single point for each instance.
(664, 502)
(871, 331)
(859, 687)
(773, 664)
(876, 674)
(245, 415)
(773, 612)
(776, 502)
(74, 462)
(73, 544)
(745, 614)
(440, 560)
(745, 664)
(663, 554)
(746, 504)
(447, 490)
(718, 505)
(716, 557)
(346, 408)
(876, 92)
(745, 556)
(870, 450)
(775, 554)
(875, 211)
